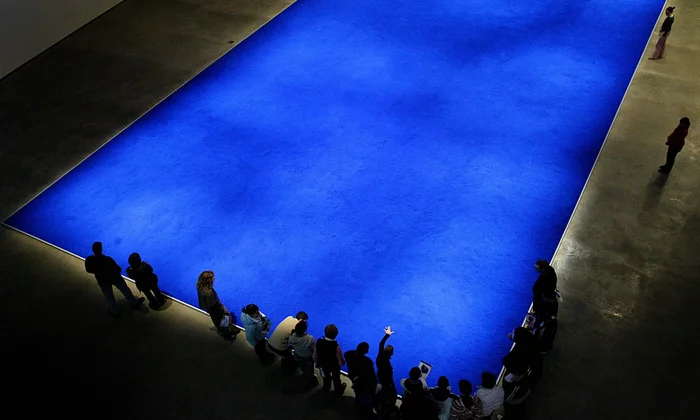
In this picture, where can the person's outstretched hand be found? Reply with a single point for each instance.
(388, 331)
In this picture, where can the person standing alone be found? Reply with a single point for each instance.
(675, 143)
(663, 35)
(108, 273)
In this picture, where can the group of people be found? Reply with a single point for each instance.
(109, 274)
(372, 381)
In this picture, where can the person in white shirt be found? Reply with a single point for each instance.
(278, 343)
(490, 394)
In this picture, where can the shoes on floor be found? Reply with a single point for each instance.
(138, 303)
(342, 389)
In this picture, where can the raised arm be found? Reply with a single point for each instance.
(387, 333)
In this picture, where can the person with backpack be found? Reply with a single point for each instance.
(146, 280)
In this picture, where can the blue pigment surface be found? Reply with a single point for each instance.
(372, 163)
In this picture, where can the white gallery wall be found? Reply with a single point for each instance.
(28, 27)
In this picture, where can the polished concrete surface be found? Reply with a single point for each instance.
(629, 264)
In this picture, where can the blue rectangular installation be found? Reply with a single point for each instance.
(372, 163)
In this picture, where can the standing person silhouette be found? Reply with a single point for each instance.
(146, 280)
(665, 31)
(385, 375)
(675, 143)
(108, 273)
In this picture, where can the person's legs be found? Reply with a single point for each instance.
(287, 361)
(670, 159)
(387, 397)
(338, 384)
(106, 288)
(662, 51)
(306, 364)
(152, 302)
(261, 351)
(158, 295)
(327, 378)
(365, 406)
(120, 284)
(659, 49)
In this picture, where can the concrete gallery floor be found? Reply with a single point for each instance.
(628, 263)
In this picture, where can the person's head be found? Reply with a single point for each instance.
(443, 383)
(541, 265)
(521, 334)
(205, 280)
(301, 328)
(97, 248)
(251, 310)
(331, 331)
(414, 373)
(302, 316)
(134, 259)
(465, 387)
(362, 348)
(488, 380)
(389, 351)
(669, 10)
(684, 122)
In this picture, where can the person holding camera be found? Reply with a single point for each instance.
(257, 325)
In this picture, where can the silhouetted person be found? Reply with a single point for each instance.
(278, 343)
(224, 321)
(364, 379)
(415, 404)
(441, 397)
(329, 358)
(108, 273)
(516, 390)
(546, 307)
(675, 143)
(385, 375)
(546, 282)
(146, 280)
(523, 354)
(545, 331)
